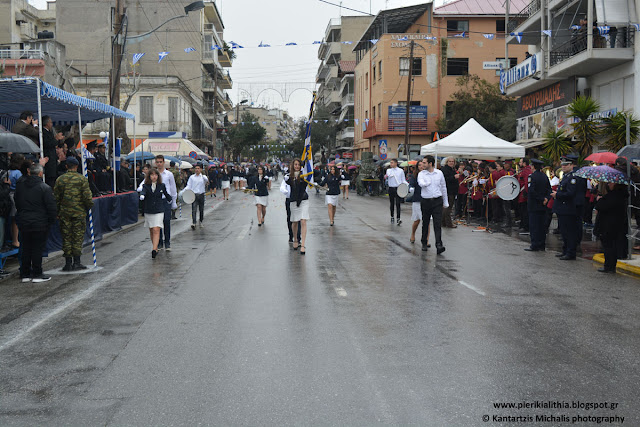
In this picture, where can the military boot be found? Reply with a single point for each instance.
(68, 266)
(77, 265)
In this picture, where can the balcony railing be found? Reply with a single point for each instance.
(348, 99)
(395, 127)
(21, 54)
(346, 133)
(516, 20)
(623, 38)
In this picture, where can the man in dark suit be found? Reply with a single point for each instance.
(539, 191)
(50, 141)
(26, 127)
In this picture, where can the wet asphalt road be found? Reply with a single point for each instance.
(232, 327)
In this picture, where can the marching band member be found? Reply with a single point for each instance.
(260, 182)
(225, 181)
(395, 177)
(333, 180)
(198, 184)
(434, 199)
(300, 198)
(416, 208)
(523, 180)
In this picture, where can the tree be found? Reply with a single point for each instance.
(322, 134)
(556, 145)
(585, 129)
(477, 98)
(246, 133)
(615, 128)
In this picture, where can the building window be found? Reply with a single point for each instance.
(366, 81)
(374, 74)
(173, 110)
(379, 110)
(417, 67)
(512, 61)
(457, 66)
(456, 27)
(500, 28)
(374, 111)
(448, 110)
(146, 109)
(379, 69)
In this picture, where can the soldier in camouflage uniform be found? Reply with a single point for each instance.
(73, 198)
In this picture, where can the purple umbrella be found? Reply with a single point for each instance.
(603, 174)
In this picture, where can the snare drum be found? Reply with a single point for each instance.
(403, 190)
(507, 187)
(187, 196)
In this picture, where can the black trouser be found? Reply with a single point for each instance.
(165, 233)
(537, 229)
(461, 203)
(524, 215)
(478, 208)
(198, 203)
(432, 208)
(32, 244)
(497, 210)
(548, 216)
(579, 224)
(394, 200)
(287, 204)
(611, 250)
(568, 230)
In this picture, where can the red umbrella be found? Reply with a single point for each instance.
(603, 157)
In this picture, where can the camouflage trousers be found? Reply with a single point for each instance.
(72, 230)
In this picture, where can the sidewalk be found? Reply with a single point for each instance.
(631, 266)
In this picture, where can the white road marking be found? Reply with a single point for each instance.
(80, 297)
(243, 232)
(473, 288)
(341, 292)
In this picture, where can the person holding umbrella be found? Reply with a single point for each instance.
(611, 224)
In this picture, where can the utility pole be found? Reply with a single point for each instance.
(116, 59)
(506, 34)
(406, 125)
(215, 109)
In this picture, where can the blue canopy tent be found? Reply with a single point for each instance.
(32, 94)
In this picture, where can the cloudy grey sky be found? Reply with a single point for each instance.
(277, 22)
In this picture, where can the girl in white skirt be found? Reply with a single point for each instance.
(260, 183)
(154, 194)
(225, 182)
(299, 203)
(332, 180)
(345, 183)
(235, 174)
(416, 208)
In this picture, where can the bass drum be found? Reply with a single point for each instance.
(187, 196)
(508, 187)
(403, 190)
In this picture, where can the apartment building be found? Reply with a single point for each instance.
(449, 41)
(175, 94)
(578, 48)
(20, 21)
(335, 75)
(278, 123)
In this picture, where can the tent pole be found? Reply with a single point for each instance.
(84, 172)
(113, 153)
(40, 124)
(135, 175)
(630, 239)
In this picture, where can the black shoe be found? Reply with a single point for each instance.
(399, 221)
(440, 249)
(259, 224)
(68, 264)
(425, 248)
(392, 220)
(193, 226)
(559, 255)
(160, 245)
(567, 258)
(167, 248)
(531, 249)
(605, 270)
(77, 265)
(154, 254)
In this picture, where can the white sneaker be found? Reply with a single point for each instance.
(25, 279)
(41, 279)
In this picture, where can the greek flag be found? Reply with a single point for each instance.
(189, 49)
(291, 44)
(235, 45)
(489, 36)
(162, 55)
(460, 35)
(264, 45)
(547, 32)
(307, 157)
(518, 36)
(604, 29)
(136, 57)
(636, 26)
(374, 41)
(317, 42)
(215, 46)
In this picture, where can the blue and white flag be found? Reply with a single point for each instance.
(162, 55)
(264, 45)
(374, 41)
(347, 42)
(489, 36)
(317, 42)
(575, 27)
(636, 26)
(235, 45)
(518, 36)
(603, 29)
(291, 44)
(215, 46)
(136, 57)
(189, 49)
(547, 32)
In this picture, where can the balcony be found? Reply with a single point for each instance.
(348, 100)
(574, 56)
(374, 128)
(225, 81)
(21, 62)
(528, 22)
(224, 58)
(519, 18)
(226, 103)
(329, 48)
(326, 72)
(172, 126)
(346, 134)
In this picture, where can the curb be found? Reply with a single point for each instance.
(621, 266)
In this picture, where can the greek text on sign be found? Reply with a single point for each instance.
(526, 68)
(164, 147)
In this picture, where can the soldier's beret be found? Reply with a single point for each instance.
(72, 161)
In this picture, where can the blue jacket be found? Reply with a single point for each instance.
(566, 195)
(153, 201)
(333, 182)
(259, 184)
(539, 189)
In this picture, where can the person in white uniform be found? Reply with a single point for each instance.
(434, 199)
(395, 177)
(198, 184)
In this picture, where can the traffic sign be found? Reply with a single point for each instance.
(193, 154)
(347, 155)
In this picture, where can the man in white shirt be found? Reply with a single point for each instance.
(434, 199)
(395, 177)
(197, 183)
(170, 183)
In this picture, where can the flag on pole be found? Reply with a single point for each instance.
(136, 57)
(162, 55)
(189, 49)
(489, 36)
(547, 32)
(307, 156)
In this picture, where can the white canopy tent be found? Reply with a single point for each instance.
(473, 141)
(169, 147)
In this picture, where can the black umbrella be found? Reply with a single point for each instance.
(14, 143)
(630, 152)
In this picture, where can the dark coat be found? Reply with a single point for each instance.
(153, 202)
(259, 184)
(35, 204)
(27, 130)
(539, 189)
(566, 195)
(333, 182)
(611, 221)
(450, 179)
(49, 144)
(298, 189)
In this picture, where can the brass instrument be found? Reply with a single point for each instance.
(250, 190)
(559, 173)
(469, 178)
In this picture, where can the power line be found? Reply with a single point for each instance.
(344, 7)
